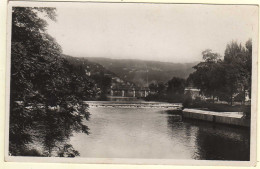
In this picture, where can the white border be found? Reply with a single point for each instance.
(252, 161)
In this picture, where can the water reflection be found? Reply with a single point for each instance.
(223, 142)
(213, 141)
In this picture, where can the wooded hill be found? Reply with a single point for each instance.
(143, 72)
(88, 66)
(102, 77)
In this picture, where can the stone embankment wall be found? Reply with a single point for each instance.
(231, 118)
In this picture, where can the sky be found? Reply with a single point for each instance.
(163, 32)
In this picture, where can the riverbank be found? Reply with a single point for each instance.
(230, 118)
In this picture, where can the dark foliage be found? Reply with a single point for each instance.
(172, 91)
(225, 78)
(187, 101)
(47, 92)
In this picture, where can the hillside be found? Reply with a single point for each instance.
(102, 77)
(143, 72)
(90, 67)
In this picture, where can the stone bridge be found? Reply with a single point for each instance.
(122, 91)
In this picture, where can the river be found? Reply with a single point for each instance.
(145, 132)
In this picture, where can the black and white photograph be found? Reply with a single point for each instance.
(131, 83)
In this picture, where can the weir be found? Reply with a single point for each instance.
(137, 104)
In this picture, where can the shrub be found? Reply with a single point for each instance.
(187, 101)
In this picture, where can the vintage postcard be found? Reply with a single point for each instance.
(131, 83)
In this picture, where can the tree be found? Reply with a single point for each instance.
(232, 50)
(209, 56)
(161, 88)
(238, 65)
(175, 89)
(176, 86)
(172, 91)
(27, 38)
(46, 99)
(225, 78)
(248, 66)
(153, 87)
(208, 74)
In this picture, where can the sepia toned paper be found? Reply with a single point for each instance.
(136, 25)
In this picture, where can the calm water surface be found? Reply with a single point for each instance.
(153, 133)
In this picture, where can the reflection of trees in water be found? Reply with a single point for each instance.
(174, 124)
(185, 133)
(220, 142)
(173, 121)
(212, 141)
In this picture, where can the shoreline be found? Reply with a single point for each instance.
(230, 118)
